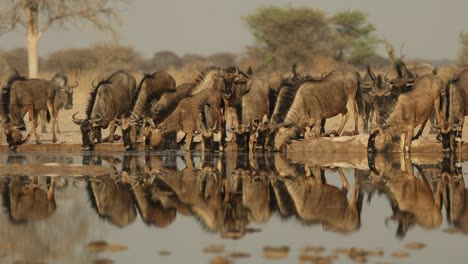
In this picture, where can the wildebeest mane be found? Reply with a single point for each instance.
(94, 91)
(284, 102)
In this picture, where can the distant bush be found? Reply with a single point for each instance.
(18, 59)
(102, 57)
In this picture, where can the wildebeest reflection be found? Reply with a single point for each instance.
(319, 202)
(201, 189)
(413, 200)
(26, 201)
(145, 192)
(455, 196)
(112, 200)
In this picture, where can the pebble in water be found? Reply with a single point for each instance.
(214, 249)
(415, 245)
(400, 254)
(275, 252)
(220, 260)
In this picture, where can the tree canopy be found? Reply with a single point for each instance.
(285, 35)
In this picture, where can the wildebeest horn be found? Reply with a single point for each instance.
(222, 72)
(161, 129)
(215, 124)
(256, 122)
(76, 120)
(94, 85)
(237, 70)
(369, 71)
(199, 126)
(96, 120)
(152, 124)
(248, 125)
(293, 69)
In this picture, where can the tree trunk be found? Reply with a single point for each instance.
(33, 61)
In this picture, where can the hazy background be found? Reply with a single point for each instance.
(428, 28)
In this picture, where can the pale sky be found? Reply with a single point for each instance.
(427, 28)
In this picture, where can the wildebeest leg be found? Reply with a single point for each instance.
(322, 128)
(344, 181)
(57, 123)
(420, 131)
(188, 140)
(252, 138)
(437, 111)
(42, 116)
(111, 131)
(353, 111)
(307, 133)
(458, 135)
(344, 119)
(318, 127)
(434, 123)
(32, 119)
(222, 132)
(409, 137)
(53, 118)
(202, 145)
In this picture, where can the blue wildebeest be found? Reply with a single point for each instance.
(454, 109)
(151, 88)
(413, 108)
(111, 98)
(30, 96)
(249, 99)
(63, 98)
(289, 85)
(334, 94)
(210, 86)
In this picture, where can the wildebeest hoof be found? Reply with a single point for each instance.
(38, 143)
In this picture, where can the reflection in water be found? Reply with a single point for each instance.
(228, 192)
(414, 200)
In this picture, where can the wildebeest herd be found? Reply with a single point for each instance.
(263, 113)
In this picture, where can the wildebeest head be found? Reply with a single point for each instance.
(13, 135)
(283, 136)
(60, 82)
(156, 137)
(69, 93)
(207, 133)
(131, 128)
(236, 84)
(380, 140)
(242, 132)
(90, 130)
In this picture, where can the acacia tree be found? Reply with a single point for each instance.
(37, 16)
(354, 39)
(286, 35)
